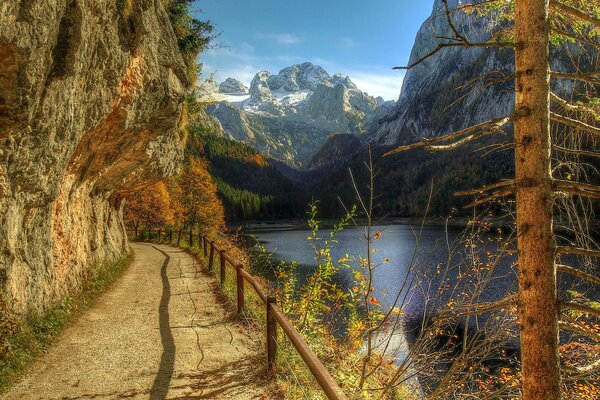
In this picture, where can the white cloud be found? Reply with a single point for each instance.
(349, 43)
(282, 38)
(386, 85)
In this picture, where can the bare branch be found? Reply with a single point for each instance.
(574, 123)
(590, 77)
(580, 307)
(493, 124)
(578, 188)
(586, 370)
(497, 194)
(572, 107)
(578, 273)
(485, 188)
(576, 37)
(477, 309)
(575, 12)
(442, 46)
(575, 151)
(569, 324)
(577, 251)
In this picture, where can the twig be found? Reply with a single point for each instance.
(580, 307)
(577, 251)
(580, 274)
(575, 12)
(574, 123)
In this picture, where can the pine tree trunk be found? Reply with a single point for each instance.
(538, 304)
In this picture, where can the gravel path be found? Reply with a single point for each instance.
(159, 333)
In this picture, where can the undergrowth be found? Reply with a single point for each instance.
(21, 341)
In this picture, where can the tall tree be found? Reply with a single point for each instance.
(538, 301)
(534, 186)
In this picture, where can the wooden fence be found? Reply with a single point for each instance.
(275, 317)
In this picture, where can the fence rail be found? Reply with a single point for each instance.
(275, 317)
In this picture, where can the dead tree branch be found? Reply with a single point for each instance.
(476, 309)
(571, 325)
(577, 251)
(575, 12)
(485, 188)
(590, 77)
(574, 123)
(473, 132)
(580, 307)
(575, 151)
(580, 274)
(578, 188)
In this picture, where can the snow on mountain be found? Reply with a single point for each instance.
(302, 102)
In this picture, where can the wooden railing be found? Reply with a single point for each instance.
(274, 317)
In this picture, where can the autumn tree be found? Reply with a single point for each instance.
(536, 184)
(150, 207)
(195, 194)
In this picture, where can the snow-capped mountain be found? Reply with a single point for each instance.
(291, 114)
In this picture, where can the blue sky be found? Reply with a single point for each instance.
(359, 38)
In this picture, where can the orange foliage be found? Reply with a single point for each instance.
(186, 201)
(195, 200)
(150, 207)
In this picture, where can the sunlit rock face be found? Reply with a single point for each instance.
(289, 115)
(232, 86)
(90, 102)
(458, 87)
(425, 107)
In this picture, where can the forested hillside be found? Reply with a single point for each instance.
(248, 183)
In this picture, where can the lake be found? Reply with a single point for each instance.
(398, 243)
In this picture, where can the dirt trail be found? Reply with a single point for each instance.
(157, 334)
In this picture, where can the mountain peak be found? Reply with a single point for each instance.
(232, 86)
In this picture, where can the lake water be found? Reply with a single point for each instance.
(398, 243)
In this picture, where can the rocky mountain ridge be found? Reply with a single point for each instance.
(289, 115)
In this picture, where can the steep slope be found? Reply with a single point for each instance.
(291, 114)
(429, 102)
(90, 101)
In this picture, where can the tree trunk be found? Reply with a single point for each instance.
(191, 237)
(178, 238)
(538, 304)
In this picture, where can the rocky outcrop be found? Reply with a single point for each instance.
(459, 87)
(90, 101)
(230, 85)
(300, 106)
(430, 102)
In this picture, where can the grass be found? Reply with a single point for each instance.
(37, 331)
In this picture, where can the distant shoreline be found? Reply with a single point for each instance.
(291, 225)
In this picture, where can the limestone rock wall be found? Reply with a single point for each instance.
(91, 96)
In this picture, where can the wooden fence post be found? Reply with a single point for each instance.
(240, 289)
(205, 246)
(212, 255)
(222, 256)
(271, 334)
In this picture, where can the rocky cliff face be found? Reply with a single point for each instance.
(429, 103)
(90, 102)
(291, 114)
